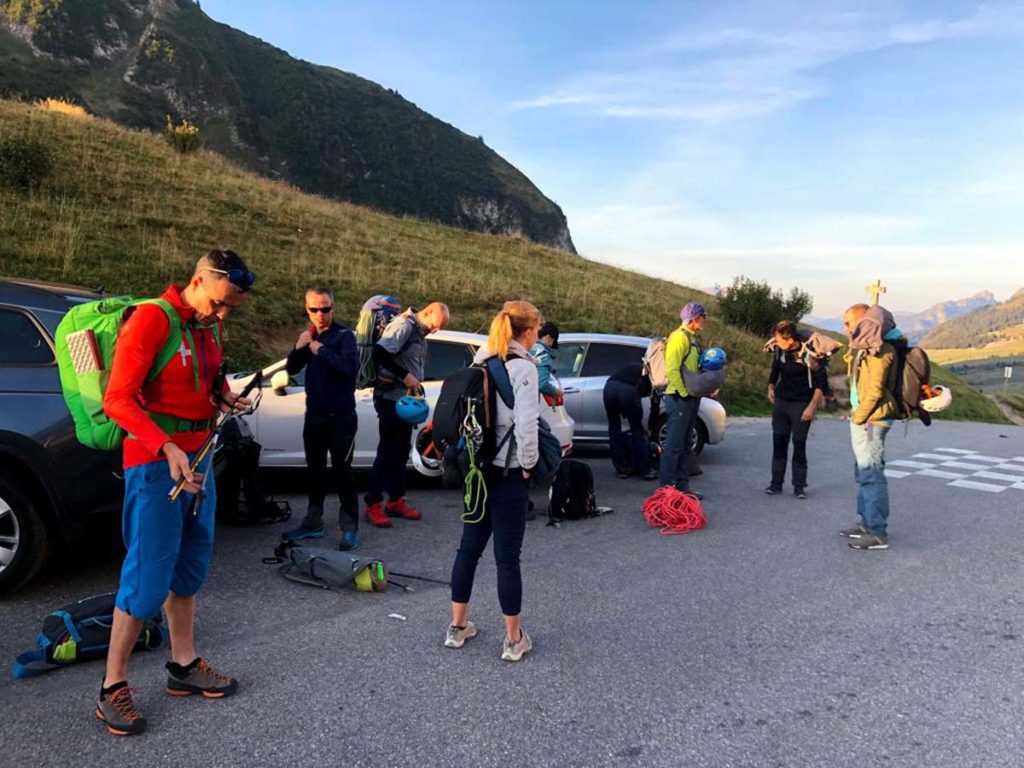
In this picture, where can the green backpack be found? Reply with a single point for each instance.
(85, 340)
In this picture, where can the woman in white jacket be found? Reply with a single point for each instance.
(513, 333)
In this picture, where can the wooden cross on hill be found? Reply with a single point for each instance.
(876, 289)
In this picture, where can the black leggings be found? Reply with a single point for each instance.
(505, 517)
(786, 423)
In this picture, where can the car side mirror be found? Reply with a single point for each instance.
(279, 383)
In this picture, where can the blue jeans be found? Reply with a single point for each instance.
(869, 470)
(505, 516)
(169, 544)
(681, 413)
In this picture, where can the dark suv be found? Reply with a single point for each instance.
(51, 486)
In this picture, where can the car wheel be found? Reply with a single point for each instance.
(23, 541)
(698, 435)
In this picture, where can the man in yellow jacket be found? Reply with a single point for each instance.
(682, 349)
(874, 371)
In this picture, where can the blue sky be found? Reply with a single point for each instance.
(813, 144)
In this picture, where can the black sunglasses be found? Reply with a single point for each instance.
(314, 310)
(240, 278)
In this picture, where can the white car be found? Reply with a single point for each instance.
(583, 364)
(277, 423)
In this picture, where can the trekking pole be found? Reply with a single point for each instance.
(420, 578)
(211, 440)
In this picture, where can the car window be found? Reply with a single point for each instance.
(21, 342)
(605, 359)
(445, 357)
(568, 359)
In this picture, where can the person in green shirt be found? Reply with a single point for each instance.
(682, 349)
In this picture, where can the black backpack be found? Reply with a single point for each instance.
(241, 499)
(572, 492)
(913, 374)
(470, 395)
(80, 632)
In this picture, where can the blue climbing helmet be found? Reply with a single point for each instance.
(713, 359)
(412, 410)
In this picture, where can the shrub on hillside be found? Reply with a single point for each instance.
(25, 161)
(62, 106)
(756, 307)
(183, 137)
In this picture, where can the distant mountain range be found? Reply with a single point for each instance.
(981, 327)
(326, 131)
(916, 324)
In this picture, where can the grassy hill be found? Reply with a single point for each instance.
(983, 328)
(122, 209)
(329, 132)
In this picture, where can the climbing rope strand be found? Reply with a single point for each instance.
(475, 498)
(674, 512)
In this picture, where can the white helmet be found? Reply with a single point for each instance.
(425, 457)
(939, 401)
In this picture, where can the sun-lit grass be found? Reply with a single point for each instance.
(63, 107)
(123, 210)
(1009, 348)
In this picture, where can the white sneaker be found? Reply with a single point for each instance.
(515, 651)
(456, 638)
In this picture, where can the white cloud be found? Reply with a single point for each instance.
(714, 75)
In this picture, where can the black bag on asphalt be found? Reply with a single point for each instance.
(81, 632)
(329, 568)
(572, 492)
(240, 496)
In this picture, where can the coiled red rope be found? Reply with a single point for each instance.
(673, 511)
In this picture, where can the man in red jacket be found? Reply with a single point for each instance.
(167, 418)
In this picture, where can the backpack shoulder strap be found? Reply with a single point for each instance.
(173, 344)
(498, 373)
(32, 664)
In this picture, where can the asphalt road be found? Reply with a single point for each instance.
(762, 640)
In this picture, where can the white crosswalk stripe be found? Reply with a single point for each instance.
(964, 465)
(969, 470)
(942, 474)
(997, 476)
(988, 487)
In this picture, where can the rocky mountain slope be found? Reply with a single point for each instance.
(326, 131)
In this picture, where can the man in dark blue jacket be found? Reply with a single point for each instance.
(328, 352)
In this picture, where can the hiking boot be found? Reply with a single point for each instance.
(855, 531)
(773, 490)
(650, 474)
(302, 532)
(117, 711)
(375, 515)
(871, 541)
(800, 493)
(515, 651)
(198, 677)
(349, 541)
(402, 509)
(456, 638)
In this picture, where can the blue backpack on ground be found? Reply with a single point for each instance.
(81, 632)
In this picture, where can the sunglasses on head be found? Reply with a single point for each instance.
(240, 278)
(314, 310)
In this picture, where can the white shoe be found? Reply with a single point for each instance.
(515, 651)
(456, 638)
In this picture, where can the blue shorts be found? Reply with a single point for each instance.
(169, 543)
